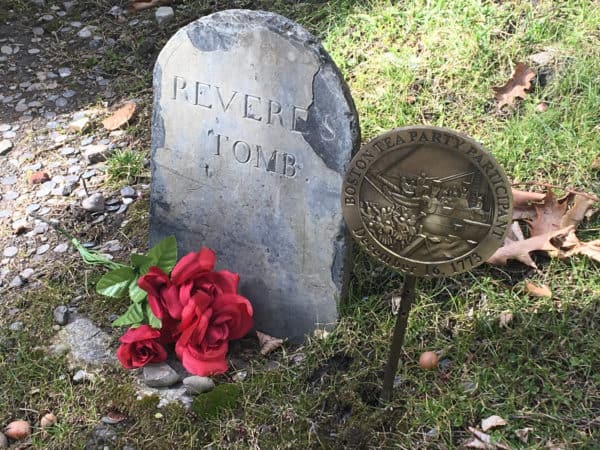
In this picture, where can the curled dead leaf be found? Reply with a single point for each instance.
(120, 117)
(523, 203)
(268, 343)
(492, 422)
(140, 5)
(538, 291)
(575, 215)
(517, 247)
(515, 87)
(523, 434)
(548, 214)
(505, 318)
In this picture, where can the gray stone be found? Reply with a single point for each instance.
(85, 33)
(16, 326)
(6, 50)
(61, 315)
(96, 153)
(544, 58)
(82, 376)
(197, 385)
(128, 191)
(3, 440)
(61, 248)
(262, 182)
(88, 343)
(160, 375)
(42, 249)
(164, 14)
(11, 251)
(38, 31)
(8, 181)
(61, 102)
(5, 146)
(64, 72)
(26, 274)
(4, 127)
(93, 203)
(16, 282)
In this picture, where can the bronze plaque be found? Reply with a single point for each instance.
(427, 201)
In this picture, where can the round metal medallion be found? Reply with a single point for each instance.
(427, 201)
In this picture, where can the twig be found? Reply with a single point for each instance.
(87, 193)
(553, 186)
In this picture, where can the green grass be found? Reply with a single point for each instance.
(125, 166)
(413, 62)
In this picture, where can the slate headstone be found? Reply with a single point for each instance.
(253, 129)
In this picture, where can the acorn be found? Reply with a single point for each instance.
(18, 430)
(428, 360)
(47, 420)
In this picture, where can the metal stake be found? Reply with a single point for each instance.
(406, 301)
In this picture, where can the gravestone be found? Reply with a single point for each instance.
(253, 130)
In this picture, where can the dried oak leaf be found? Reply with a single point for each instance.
(120, 117)
(517, 247)
(515, 87)
(268, 343)
(538, 291)
(571, 245)
(140, 5)
(549, 214)
(577, 212)
(484, 441)
(492, 422)
(523, 203)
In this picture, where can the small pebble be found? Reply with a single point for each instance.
(42, 249)
(11, 251)
(61, 248)
(160, 375)
(18, 430)
(197, 384)
(26, 274)
(48, 420)
(3, 440)
(61, 315)
(81, 376)
(64, 72)
(128, 191)
(4, 127)
(38, 31)
(16, 282)
(61, 102)
(16, 326)
(93, 203)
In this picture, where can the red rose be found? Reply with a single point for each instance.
(206, 327)
(190, 277)
(139, 346)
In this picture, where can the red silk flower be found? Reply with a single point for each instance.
(140, 346)
(191, 276)
(206, 328)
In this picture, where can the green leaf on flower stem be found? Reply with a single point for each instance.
(153, 321)
(141, 263)
(116, 282)
(164, 254)
(136, 294)
(134, 316)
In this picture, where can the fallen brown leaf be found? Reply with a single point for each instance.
(268, 343)
(571, 245)
(140, 5)
(517, 247)
(577, 212)
(492, 422)
(505, 318)
(548, 214)
(484, 441)
(523, 203)
(523, 434)
(120, 117)
(538, 291)
(596, 164)
(515, 87)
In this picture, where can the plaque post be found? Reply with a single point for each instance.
(406, 301)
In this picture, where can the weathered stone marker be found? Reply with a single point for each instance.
(253, 129)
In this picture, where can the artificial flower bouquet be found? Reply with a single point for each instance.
(186, 303)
